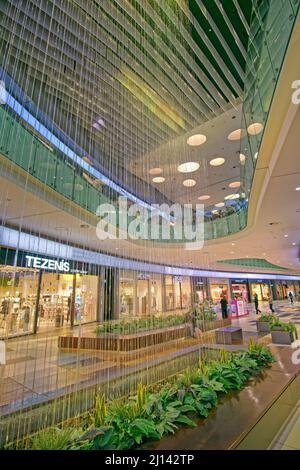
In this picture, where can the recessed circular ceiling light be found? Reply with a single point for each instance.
(158, 179)
(293, 243)
(235, 184)
(205, 197)
(298, 188)
(217, 161)
(286, 235)
(255, 128)
(188, 167)
(155, 171)
(235, 135)
(232, 196)
(242, 158)
(220, 204)
(189, 183)
(196, 139)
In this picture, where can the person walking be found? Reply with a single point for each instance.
(291, 298)
(256, 304)
(270, 300)
(224, 305)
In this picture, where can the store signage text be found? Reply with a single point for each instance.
(49, 264)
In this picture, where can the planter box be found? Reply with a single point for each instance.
(263, 326)
(213, 325)
(121, 342)
(282, 337)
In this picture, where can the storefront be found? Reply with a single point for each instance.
(219, 288)
(178, 292)
(240, 289)
(41, 293)
(262, 288)
(127, 293)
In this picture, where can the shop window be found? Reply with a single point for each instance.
(169, 292)
(126, 288)
(86, 298)
(18, 287)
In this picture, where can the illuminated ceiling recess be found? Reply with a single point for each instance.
(195, 140)
(155, 171)
(189, 183)
(217, 161)
(188, 167)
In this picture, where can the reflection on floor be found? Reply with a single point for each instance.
(288, 437)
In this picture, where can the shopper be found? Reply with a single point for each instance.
(291, 298)
(270, 300)
(256, 304)
(224, 306)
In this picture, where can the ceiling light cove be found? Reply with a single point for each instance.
(205, 197)
(231, 197)
(235, 135)
(158, 179)
(217, 161)
(242, 159)
(155, 171)
(220, 204)
(188, 167)
(196, 139)
(235, 184)
(189, 183)
(255, 128)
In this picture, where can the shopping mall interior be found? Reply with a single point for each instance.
(150, 235)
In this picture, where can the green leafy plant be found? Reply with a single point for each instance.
(54, 438)
(123, 424)
(288, 327)
(267, 318)
(94, 439)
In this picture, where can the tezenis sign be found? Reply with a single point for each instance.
(47, 263)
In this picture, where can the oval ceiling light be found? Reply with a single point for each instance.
(242, 158)
(158, 179)
(205, 197)
(196, 139)
(155, 171)
(188, 167)
(217, 161)
(235, 135)
(232, 196)
(235, 184)
(220, 204)
(189, 183)
(255, 128)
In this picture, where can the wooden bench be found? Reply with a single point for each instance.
(228, 334)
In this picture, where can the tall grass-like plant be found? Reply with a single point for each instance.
(98, 417)
(54, 438)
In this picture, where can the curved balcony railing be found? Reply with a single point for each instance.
(271, 27)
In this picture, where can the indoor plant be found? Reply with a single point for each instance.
(283, 333)
(263, 323)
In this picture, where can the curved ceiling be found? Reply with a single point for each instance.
(120, 80)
